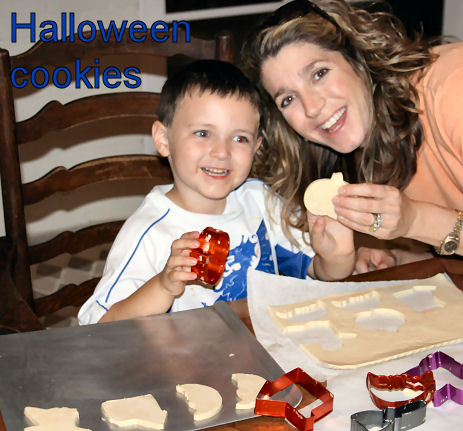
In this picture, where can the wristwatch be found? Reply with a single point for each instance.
(450, 243)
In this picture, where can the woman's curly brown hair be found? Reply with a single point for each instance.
(377, 47)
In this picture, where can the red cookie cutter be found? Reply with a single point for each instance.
(211, 254)
(425, 383)
(283, 409)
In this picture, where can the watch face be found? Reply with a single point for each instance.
(450, 246)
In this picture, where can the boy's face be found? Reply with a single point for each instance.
(210, 143)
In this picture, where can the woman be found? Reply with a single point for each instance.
(349, 91)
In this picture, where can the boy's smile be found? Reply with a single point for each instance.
(210, 144)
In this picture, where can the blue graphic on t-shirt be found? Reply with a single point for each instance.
(254, 251)
(266, 263)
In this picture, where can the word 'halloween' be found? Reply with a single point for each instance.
(68, 30)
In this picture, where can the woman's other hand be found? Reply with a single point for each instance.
(372, 259)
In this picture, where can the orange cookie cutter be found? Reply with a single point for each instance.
(425, 383)
(214, 245)
(277, 408)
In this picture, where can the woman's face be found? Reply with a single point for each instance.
(320, 95)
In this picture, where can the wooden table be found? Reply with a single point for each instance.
(452, 266)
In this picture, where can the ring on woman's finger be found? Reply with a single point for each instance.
(377, 224)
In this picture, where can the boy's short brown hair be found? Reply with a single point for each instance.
(214, 76)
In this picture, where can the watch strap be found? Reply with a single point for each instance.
(454, 235)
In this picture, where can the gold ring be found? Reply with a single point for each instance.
(377, 224)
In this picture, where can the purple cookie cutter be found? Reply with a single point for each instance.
(448, 391)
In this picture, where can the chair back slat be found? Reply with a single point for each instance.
(56, 116)
(74, 242)
(114, 168)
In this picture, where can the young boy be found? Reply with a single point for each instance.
(208, 128)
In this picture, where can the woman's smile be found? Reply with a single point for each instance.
(336, 121)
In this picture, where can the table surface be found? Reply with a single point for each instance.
(453, 266)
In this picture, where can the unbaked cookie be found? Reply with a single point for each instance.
(53, 419)
(319, 194)
(203, 400)
(247, 388)
(141, 411)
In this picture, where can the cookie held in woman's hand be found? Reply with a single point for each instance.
(319, 194)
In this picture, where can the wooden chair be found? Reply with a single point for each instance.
(55, 116)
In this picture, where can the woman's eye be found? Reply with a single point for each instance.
(319, 74)
(241, 139)
(286, 101)
(202, 133)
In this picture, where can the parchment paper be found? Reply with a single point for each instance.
(348, 386)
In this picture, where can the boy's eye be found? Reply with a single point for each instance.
(286, 101)
(319, 74)
(202, 133)
(241, 139)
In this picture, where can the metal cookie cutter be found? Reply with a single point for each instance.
(282, 409)
(425, 383)
(400, 418)
(448, 391)
(211, 254)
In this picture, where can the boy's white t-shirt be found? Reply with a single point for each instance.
(142, 247)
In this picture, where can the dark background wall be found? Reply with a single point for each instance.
(184, 5)
(416, 15)
(420, 14)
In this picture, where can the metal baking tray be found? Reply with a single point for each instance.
(80, 367)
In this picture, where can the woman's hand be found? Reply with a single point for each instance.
(372, 259)
(178, 267)
(357, 204)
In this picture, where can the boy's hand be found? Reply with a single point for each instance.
(333, 244)
(329, 238)
(178, 267)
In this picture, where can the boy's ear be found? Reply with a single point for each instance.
(161, 142)
(258, 143)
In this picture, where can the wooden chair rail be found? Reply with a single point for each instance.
(57, 116)
(113, 168)
(74, 242)
(71, 294)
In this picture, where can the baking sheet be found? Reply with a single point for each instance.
(84, 366)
